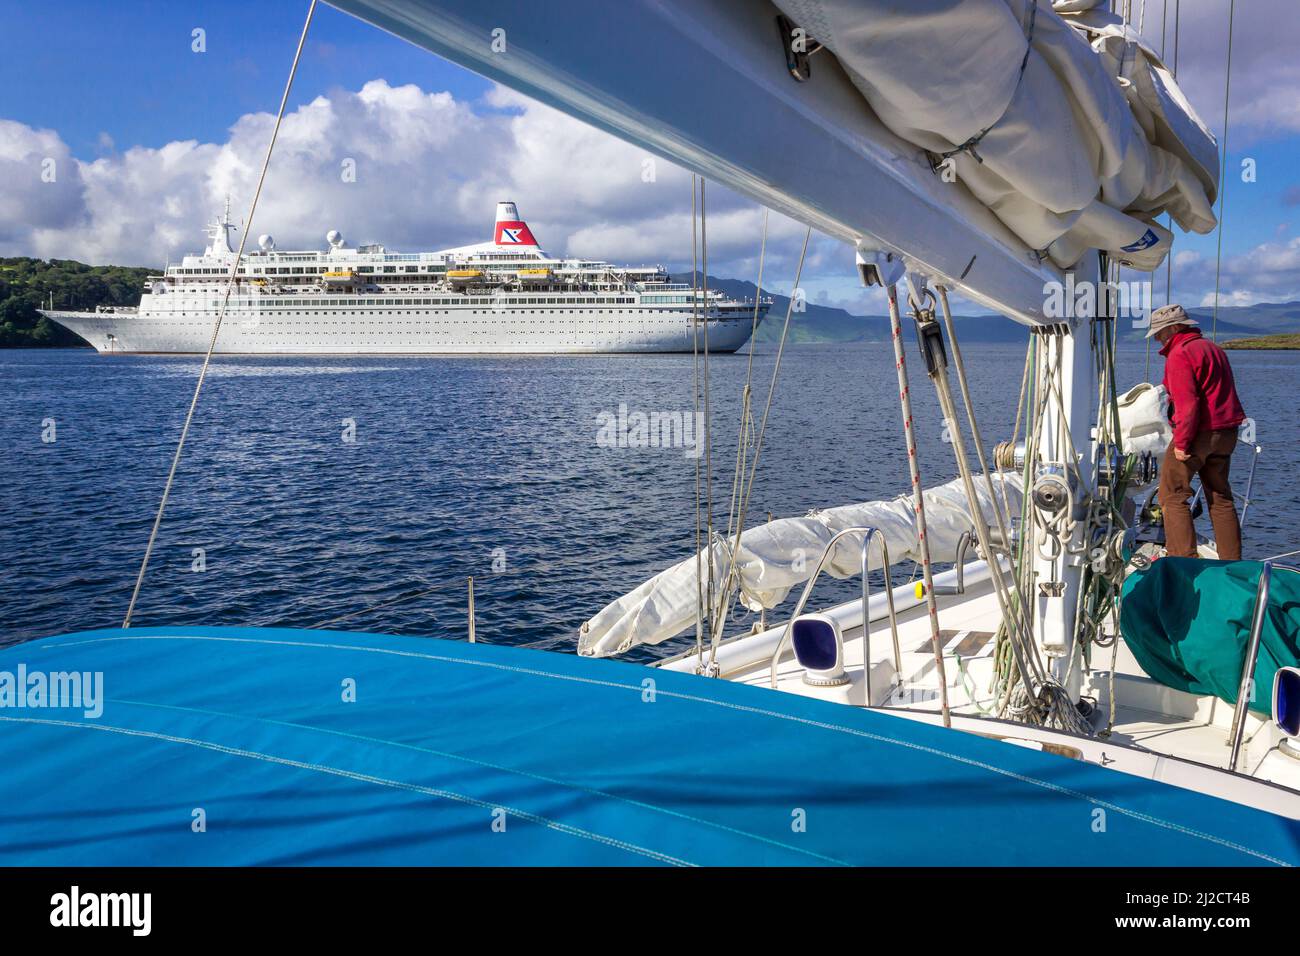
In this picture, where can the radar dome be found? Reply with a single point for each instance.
(265, 242)
(334, 238)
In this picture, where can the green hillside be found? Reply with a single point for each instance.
(1284, 341)
(26, 285)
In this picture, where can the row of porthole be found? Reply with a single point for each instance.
(551, 321)
(553, 313)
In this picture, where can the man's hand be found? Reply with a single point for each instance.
(1180, 454)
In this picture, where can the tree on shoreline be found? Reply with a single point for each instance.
(26, 285)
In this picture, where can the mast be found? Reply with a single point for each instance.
(1062, 480)
(219, 232)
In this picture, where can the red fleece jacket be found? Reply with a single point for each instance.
(1199, 382)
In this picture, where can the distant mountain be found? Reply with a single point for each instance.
(821, 323)
(1267, 318)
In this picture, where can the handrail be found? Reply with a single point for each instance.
(868, 534)
(963, 544)
(1250, 483)
(1252, 653)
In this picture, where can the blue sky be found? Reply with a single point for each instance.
(127, 68)
(110, 78)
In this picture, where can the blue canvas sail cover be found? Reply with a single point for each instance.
(199, 745)
(1187, 622)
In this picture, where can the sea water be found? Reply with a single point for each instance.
(361, 493)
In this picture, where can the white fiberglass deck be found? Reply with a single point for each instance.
(1152, 723)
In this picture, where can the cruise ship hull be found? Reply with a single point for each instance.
(405, 332)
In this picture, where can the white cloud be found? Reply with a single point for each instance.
(41, 185)
(1268, 272)
(429, 169)
(1265, 70)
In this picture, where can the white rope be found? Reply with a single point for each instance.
(708, 407)
(748, 482)
(695, 354)
(918, 497)
(767, 408)
(1018, 628)
(1223, 174)
(744, 441)
(776, 370)
(212, 344)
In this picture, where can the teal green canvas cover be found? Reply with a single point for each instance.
(1187, 621)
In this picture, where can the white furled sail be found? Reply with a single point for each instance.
(1064, 124)
(775, 557)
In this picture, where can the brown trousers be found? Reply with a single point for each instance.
(1211, 457)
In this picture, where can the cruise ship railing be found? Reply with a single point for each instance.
(1244, 689)
(868, 534)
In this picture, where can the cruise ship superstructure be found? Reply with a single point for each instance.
(506, 295)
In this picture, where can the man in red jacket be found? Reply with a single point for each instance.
(1205, 413)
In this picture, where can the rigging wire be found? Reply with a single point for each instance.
(1011, 611)
(762, 428)
(1223, 173)
(708, 408)
(216, 328)
(746, 395)
(744, 441)
(1169, 259)
(695, 353)
(776, 370)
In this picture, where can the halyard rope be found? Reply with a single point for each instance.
(1223, 174)
(918, 497)
(221, 314)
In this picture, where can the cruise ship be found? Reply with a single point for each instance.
(502, 296)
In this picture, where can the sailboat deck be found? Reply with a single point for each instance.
(1151, 722)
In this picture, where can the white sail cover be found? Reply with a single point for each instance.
(777, 556)
(1081, 148)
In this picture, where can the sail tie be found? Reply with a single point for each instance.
(939, 159)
